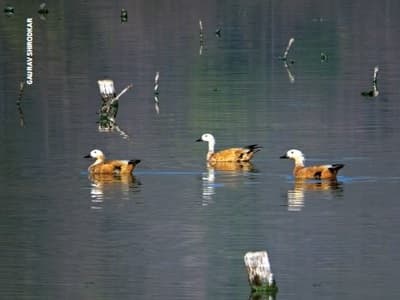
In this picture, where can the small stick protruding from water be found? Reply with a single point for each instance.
(201, 27)
(156, 105)
(156, 83)
(43, 9)
(285, 54)
(19, 107)
(291, 76)
(323, 57)
(156, 101)
(201, 37)
(201, 32)
(124, 15)
(218, 32)
(122, 92)
(375, 80)
(9, 10)
(157, 77)
(374, 92)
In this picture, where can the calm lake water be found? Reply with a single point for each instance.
(177, 230)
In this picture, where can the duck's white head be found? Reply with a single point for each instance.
(97, 154)
(296, 155)
(208, 137)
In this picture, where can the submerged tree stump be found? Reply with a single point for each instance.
(109, 104)
(260, 276)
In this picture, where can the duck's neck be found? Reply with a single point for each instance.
(299, 162)
(211, 145)
(99, 160)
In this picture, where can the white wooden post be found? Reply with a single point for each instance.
(260, 276)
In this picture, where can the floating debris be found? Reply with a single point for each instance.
(9, 10)
(285, 54)
(124, 15)
(19, 106)
(374, 92)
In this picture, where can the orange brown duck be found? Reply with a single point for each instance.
(238, 154)
(116, 167)
(311, 172)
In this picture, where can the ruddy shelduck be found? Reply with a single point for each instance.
(103, 166)
(242, 154)
(311, 172)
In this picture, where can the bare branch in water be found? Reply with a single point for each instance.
(291, 41)
(285, 54)
(291, 76)
(122, 92)
(156, 105)
(374, 92)
(109, 107)
(201, 37)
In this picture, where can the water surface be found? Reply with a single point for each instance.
(177, 229)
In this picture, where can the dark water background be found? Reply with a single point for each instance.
(177, 230)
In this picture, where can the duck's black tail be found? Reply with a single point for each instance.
(336, 167)
(253, 148)
(134, 162)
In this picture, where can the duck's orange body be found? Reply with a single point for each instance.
(317, 172)
(311, 172)
(103, 166)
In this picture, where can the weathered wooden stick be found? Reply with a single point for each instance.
(201, 37)
(374, 92)
(201, 27)
(260, 276)
(156, 77)
(156, 105)
(291, 41)
(122, 92)
(156, 83)
(124, 15)
(291, 77)
(376, 70)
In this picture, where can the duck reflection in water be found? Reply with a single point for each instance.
(296, 196)
(228, 168)
(103, 183)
